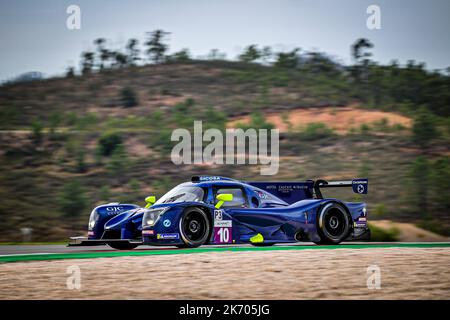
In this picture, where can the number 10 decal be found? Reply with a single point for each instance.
(223, 231)
(224, 235)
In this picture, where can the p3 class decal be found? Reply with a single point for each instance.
(218, 214)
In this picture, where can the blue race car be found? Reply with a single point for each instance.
(218, 210)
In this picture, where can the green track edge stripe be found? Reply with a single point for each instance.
(110, 254)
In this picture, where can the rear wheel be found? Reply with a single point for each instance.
(333, 224)
(122, 245)
(194, 228)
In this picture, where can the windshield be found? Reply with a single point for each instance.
(182, 194)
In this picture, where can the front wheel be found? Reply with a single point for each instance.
(333, 224)
(194, 228)
(122, 245)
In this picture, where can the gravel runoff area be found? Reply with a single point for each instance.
(405, 273)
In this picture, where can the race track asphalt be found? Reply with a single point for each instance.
(14, 253)
(60, 248)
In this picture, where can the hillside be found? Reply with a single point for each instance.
(68, 144)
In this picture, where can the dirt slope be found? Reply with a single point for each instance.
(408, 232)
(340, 119)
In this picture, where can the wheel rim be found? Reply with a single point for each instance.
(334, 224)
(194, 227)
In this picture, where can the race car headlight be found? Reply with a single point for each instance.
(93, 218)
(151, 216)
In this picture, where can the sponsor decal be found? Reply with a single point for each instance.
(357, 224)
(361, 219)
(148, 232)
(168, 236)
(167, 223)
(90, 233)
(360, 186)
(223, 223)
(218, 214)
(209, 178)
(114, 209)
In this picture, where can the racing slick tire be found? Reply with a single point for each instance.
(122, 245)
(195, 228)
(333, 224)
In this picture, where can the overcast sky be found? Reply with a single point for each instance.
(34, 36)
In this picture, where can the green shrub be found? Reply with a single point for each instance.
(315, 131)
(379, 234)
(36, 131)
(108, 142)
(380, 210)
(118, 164)
(128, 97)
(435, 227)
(364, 128)
(72, 199)
(105, 193)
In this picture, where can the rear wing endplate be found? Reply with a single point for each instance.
(360, 186)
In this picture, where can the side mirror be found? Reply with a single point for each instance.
(222, 198)
(150, 201)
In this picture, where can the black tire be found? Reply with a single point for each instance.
(195, 228)
(122, 245)
(333, 224)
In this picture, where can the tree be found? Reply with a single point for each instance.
(361, 58)
(358, 53)
(215, 54)
(250, 54)
(133, 52)
(120, 59)
(54, 121)
(81, 164)
(419, 176)
(156, 47)
(181, 56)
(36, 132)
(87, 62)
(72, 199)
(128, 97)
(103, 54)
(287, 60)
(266, 54)
(440, 181)
(424, 128)
(70, 72)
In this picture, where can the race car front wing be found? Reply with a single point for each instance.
(84, 241)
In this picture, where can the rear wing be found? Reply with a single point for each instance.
(295, 191)
(360, 186)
